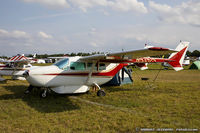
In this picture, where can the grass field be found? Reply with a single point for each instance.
(172, 101)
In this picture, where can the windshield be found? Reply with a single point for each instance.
(62, 63)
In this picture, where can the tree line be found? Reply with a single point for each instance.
(195, 53)
(60, 55)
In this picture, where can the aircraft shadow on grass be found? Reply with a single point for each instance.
(53, 103)
(115, 89)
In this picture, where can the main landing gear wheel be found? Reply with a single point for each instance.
(101, 93)
(43, 94)
(28, 90)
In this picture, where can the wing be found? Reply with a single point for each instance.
(125, 56)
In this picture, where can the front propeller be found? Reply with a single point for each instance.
(26, 73)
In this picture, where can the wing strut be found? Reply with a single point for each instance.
(90, 73)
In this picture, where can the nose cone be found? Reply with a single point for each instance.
(38, 76)
(33, 77)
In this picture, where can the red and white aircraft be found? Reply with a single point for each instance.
(78, 74)
(176, 66)
(14, 67)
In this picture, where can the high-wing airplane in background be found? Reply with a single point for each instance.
(14, 67)
(78, 74)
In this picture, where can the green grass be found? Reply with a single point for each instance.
(172, 101)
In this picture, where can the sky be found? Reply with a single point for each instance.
(66, 26)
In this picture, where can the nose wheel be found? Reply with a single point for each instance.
(44, 94)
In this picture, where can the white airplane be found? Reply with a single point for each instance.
(78, 74)
(14, 67)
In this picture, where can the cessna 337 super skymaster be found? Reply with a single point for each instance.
(78, 74)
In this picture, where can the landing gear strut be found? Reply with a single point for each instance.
(100, 92)
(28, 90)
(43, 94)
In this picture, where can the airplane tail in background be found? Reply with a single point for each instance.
(34, 56)
(178, 57)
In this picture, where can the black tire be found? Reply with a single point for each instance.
(101, 93)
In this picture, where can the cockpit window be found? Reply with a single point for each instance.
(62, 64)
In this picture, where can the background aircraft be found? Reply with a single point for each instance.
(14, 67)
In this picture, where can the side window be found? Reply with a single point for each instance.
(77, 66)
(89, 66)
(102, 66)
(98, 66)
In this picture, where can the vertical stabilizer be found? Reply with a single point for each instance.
(178, 57)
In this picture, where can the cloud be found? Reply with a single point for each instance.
(50, 3)
(45, 16)
(185, 13)
(162, 35)
(128, 5)
(13, 34)
(19, 34)
(93, 44)
(13, 41)
(3, 32)
(84, 5)
(44, 35)
(17, 41)
(119, 5)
